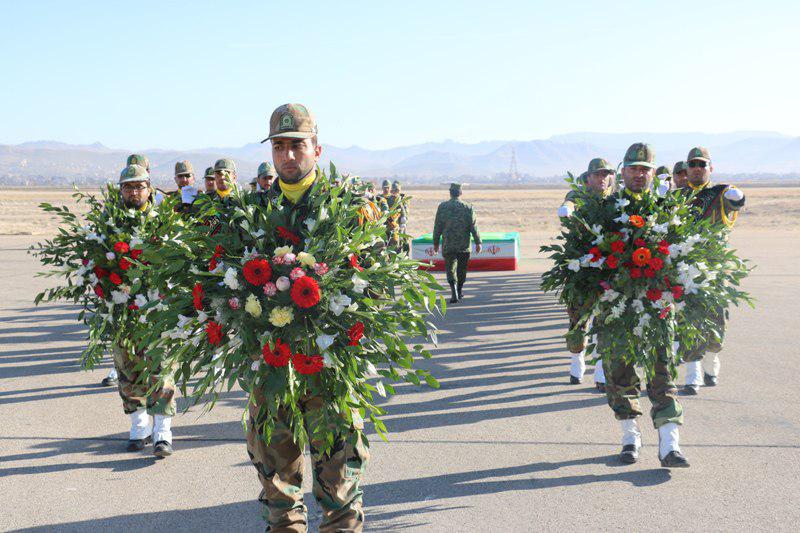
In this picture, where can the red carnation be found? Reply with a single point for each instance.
(212, 264)
(612, 261)
(257, 271)
(636, 273)
(214, 332)
(85, 261)
(307, 364)
(656, 263)
(665, 312)
(197, 295)
(356, 333)
(677, 291)
(136, 253)
(354, 263)
(596, 254)
(124, 263)
(100, 272)
(114, 278)
(663, 247)
(654, 295)
(98, 290)
(285, 234)
(649, 273)
(305, 292)
(639, 243)
(133, 307)
(278, 356)
(219, 250)
(618, 247)
(121, 247)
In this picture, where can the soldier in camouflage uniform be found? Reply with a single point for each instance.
(622, 381)
(184, 179)
(719, 203)
(225, 179)
(397, 222)
(597, 179)
(136, 194)
(210, 181)
(266, 174)
(680, 175)
(454, 224)
(337, 474)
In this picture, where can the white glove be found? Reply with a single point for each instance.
(159, 197)
(663, 188)
(564, 211)
(733, 194)
(188, 194)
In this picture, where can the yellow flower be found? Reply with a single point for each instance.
(282, 250)
(280, 316)
(253, 306)
(306, 259)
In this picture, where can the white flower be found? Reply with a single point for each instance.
(323, 214)
(231, 279)
(622, 202)
(259, 233)
(622, 219)
(637, 305)
(119, 297)
(153, 295)
(597, 229)
(219, 268)
(310, 223)
(110, 256)
(135, 241)
(609, 296)
(140, 300)
(253, 306)
(618, 309)
(598, 263)
(255, 365)
(93, 279)
(193, 270)
(327, 361)
(338, 303)
(574, 265)
(661, 228)
(283, 283)
(201, 317)
(142, 319)
(359, 284)
(352, 308)
(325, 341)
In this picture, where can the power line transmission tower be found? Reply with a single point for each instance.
(513, 172)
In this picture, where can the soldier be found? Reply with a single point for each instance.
(137, 194)
(225, 178)
(211, 182)
(455, 222)
(337, 474)
(254, 185)
(622, 381)
(665, 177)
(597, 180)
(184, 179)
(679, 175)
(719, 203)
(395, 224)
(266, 173)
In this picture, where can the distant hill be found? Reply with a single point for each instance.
(55, 163)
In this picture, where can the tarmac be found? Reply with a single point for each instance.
(506, 444)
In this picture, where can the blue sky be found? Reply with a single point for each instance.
(379, 74)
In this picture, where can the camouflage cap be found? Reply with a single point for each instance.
(138, 159)
(598, 163)
(133, 173)
(663, 169)
(266, 169)
(680, 166)
(455, 187)
(183, 167)
(698, 153)
(386, 183)
(293, 121)
(640, 155)
(396, 185)
(209, 173)
(225, 164)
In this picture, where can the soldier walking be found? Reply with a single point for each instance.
(455, 223)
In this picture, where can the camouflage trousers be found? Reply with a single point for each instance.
(576, 336)
(336, 475)
(455, 265)
(622, 391)
(713, 345)
(133, 386)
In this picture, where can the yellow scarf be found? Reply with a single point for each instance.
(634, 195)
(295, 191)
(699, 187)
(225, 193)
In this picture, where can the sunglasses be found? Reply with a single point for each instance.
(127, 187)
(697, 164)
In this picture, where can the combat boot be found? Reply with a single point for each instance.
(669, 450)
(454, 294)
(460, 291)
(709, 380)
(631, 441)
(162, 435)
(111, 380)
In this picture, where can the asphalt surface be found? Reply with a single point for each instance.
(506, 444)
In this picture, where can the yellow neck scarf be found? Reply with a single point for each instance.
(699, 187)
(225, 193)
(295, 191)
(634, 195)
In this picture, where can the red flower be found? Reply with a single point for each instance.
(636, 273)
(618, 247)
(85, 261)
(639, 242)
(665, 312)
(654, 295)
(677, 291)
(649, 273)
(656, 263)
(354, 263)
(219, 250)
(663, 247)
(356, 333)
(214, 332)
(596, 254)
(212, 264)
(641, 256)
(257, 271)
(98, 290)
(307, 364)
(612, 261)
(135, 253)
(305, 292)
(124, 263)
(287, 235)
(133, 307)
(121, 247)
(197, 295)
(636, 221)
(100, 272)
(114, 278)
(279, 356)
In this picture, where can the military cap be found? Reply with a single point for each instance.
(133, 173)
(455, 187)
(680, 166)
(640, 155)
(253, 181)
(386, 183)
(138, 159)
(225, 164)
(266, 169)
(209, 173)
(294, 121)
(183, 167)
(396, 185)
(598, 163)
(663, 169)
(698, 153)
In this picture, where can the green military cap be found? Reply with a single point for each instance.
(698, 153)
(253, 181)
(386, 183)
(183, 167)
(455, 187)
(663, 169)
(266, 169)
(396, 185)
(584, 176)
(225, 164)
(133, 173)
(209, 173)
(680, 166)
(598, 163)
(293, 121)
(138, 159)
(640, 155)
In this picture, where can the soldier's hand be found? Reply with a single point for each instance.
(478, 248)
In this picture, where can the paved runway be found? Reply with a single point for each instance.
(505, 444)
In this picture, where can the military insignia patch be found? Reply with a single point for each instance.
(287, 122)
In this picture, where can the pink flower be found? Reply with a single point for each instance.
(321, 269)
(233, 303)
(296, 273)
(283, 283)
(289, 258)
(605, 285)
(277, 259)
(270, 289)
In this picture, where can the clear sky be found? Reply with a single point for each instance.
(383, 74)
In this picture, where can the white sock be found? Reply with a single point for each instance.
(711, 364)
(113, 374)
(694, 373)
(631, 433)
(599, 374)
(162, 428)
(578, 366)
(140, 425)
(668, 439)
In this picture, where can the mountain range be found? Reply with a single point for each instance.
(740, 153)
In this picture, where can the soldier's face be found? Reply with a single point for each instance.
(211, 184)
(265, 182)
(385, 191)
(135, 194)
(699, 172)
(223, 179)
(680, 179)
(599, 181)
(637, 178)
(294, 158)
(184, 180)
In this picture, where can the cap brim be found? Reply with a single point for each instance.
(700, 159)
(290, 135)
(638, 164)
(131, 180)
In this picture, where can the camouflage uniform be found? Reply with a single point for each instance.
(133, 388)
(454, 224)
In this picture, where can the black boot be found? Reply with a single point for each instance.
(454, 298)
(137, 445)
(461, 290)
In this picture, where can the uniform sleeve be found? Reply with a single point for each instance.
(476, 236)
(438, 225)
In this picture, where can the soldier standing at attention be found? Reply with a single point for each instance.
(680, 175)
(266, 173)
(211, 182)
(665, 177)
(719, 203)
(455, 223)
(184, 179)
(225, 178)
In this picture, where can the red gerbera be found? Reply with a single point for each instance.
(98, 290)
(649, 273)
(257, 271)
(677, 291)
(136, 253)
(354, 263)
(197, 295)
(214, 332)
(656, 263)
(305, 292)
(641, 256)
(124, 263)
(612, 261)
(618, 247)
(285, 234)
(636, 221)
(114, 278)
(654, 295)
(663, 247)
(121, 247)
(636, 273)
(278, 356)
(356, 333)
(307, 364)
